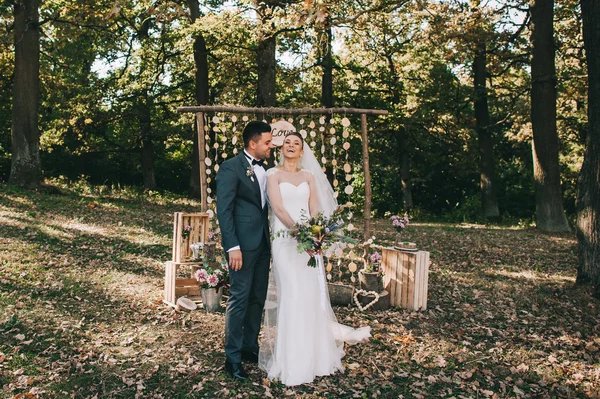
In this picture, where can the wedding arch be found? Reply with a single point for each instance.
(329, 136)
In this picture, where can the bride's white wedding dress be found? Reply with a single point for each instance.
(301, 338)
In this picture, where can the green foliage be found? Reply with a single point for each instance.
(106, 66)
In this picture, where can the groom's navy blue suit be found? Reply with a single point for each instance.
(244, 222)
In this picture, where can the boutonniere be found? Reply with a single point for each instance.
(250, 173)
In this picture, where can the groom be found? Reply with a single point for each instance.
(243, 219)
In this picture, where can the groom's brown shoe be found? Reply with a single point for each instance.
(250, 357)
(236, 371)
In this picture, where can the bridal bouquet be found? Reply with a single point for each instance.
(317, 233)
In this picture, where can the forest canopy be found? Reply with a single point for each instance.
(113, 72)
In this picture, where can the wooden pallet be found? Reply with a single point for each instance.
(176, 285)
(181, 246)
(406, 275)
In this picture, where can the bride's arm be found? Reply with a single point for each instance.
(313, 202)
(276, 201)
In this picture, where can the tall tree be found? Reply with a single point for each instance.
(26, 167)
(487, 180)
(201, 92)
(327, 65)
(145, 121)
(588, 217)
(550, 214)
(266, 55)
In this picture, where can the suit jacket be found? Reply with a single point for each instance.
(242, 219)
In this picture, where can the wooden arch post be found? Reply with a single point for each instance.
(200, 110)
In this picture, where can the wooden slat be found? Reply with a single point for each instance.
(418, 281)
(412, 263)
(425, 280)
(394, 263)
(187, 291)
(174, 237)
(185, 282)
(404, 272)
(384, 262)
(390, 270)
(170, 275)
(180, 226)
(398, 275)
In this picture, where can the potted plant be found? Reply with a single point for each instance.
(212, 276)
(370, 277)
(212, 279)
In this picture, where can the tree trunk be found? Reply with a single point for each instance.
(403, 142)
(26, 169)
(267, 66)
(201, 93)
(588, 206)
(550, 215)
(405, 177)
(147, 146)
(327, 65)
(484, 136)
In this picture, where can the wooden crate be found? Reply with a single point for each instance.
(181, 246)
(176, 286)
(406, 276)
(178, 282)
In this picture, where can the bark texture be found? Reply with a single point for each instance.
(267, 67)
(26, 169)
(145, 119)
(487, 173)
(201, 93)
(588, 217)
(550, 214)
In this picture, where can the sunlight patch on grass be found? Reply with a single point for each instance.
(532, 275)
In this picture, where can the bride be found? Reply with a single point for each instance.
(301, 337)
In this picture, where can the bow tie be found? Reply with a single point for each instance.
(259, 163)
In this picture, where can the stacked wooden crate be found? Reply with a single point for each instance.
(406, 275)
(179, 280)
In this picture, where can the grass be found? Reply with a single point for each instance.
(81, 312)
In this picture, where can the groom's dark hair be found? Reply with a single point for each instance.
(254, 130)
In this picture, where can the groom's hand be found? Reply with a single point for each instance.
(235, 259)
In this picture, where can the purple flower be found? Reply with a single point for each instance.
(399, 222)
(211, 235)
(375, 257)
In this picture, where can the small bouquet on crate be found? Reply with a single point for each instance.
(401, 223)
(314, 234)
(215, 276)
(374, 265)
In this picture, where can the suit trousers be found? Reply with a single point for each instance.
(247, 294)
